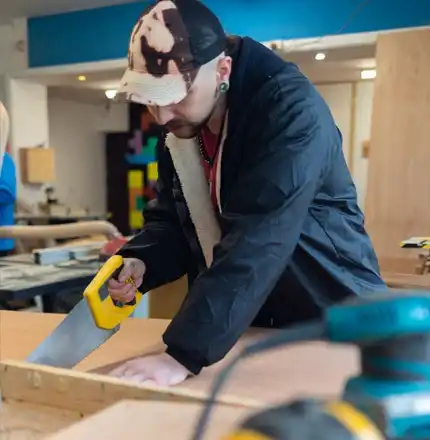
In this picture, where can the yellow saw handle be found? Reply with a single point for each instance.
(106, 313)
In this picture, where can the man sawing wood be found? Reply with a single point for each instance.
(255, 203)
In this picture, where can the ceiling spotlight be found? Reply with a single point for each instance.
(110, 94)
(82, 78)
(368, 74)
(320, 56)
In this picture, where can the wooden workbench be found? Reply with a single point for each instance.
(132, 420)
(21, 279)
(306, 369)
(19, 274)
(398, 280)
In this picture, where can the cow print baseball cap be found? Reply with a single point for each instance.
(170, 42)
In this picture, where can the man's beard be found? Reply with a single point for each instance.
(186, 130)
(183, 130)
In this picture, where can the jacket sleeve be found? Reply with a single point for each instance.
(161, 244)
(262, 221)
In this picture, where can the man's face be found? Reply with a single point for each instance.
(186, 118)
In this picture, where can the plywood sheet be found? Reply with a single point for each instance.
(399, 179)
(406, 281)
(21, 421)
(166, 301)
(305, 369)
(88, 393)
(145, 420)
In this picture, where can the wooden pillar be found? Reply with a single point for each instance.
(398, 192)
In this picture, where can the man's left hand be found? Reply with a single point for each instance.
(160, 369)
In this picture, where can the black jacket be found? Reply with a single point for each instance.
(293, 238)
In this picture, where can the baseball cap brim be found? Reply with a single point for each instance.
(148, 89)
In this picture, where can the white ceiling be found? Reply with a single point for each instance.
(341, 65)
(32, 8)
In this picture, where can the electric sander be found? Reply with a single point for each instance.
(389, 399)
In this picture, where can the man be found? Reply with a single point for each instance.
(7, 184)
(255, 201)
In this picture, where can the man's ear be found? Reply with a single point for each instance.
(224, 69)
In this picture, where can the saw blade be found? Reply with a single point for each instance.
(73, 340)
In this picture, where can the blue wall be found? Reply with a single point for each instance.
(103, 33)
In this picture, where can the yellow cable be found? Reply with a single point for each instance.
(356, 422)
(246, 434)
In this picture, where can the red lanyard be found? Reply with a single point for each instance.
(211, 158)
(211, 169)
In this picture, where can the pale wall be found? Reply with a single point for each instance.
(77, 133)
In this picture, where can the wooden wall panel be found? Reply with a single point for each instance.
(397, 203)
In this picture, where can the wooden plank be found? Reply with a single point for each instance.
(303, 369)
(21, 332)
(400, 265)
(147, 420)
(166, 301)
(87, 393)
(22, 421)
(406, 281)
(399, 178)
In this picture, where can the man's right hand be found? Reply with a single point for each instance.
(124, 292)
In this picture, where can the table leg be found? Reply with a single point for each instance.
(48, 303)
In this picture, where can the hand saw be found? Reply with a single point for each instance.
(94, 320)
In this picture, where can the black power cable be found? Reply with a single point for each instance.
(310, 331)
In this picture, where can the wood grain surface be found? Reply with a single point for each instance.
(306, 369)
(407, 281)
(398, 177)
(152, 420)
(22, 421)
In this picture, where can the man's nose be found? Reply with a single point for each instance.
(162, 115)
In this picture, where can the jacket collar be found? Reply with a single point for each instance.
(187, 162)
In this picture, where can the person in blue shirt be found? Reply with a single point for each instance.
(7, 201)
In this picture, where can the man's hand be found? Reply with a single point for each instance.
(121, 291)
(160, 369)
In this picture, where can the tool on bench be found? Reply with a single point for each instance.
(388, 400)
(60, 254)
(416, 243)
(91, 251)
(94, 320)
(420, 243)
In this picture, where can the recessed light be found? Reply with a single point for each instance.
(82, 78)
(368, 74)
(320, 56)
(110, 94)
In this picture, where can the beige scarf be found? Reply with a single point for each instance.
(4, 132)
(187, 161)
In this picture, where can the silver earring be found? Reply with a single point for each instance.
(224, 86)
